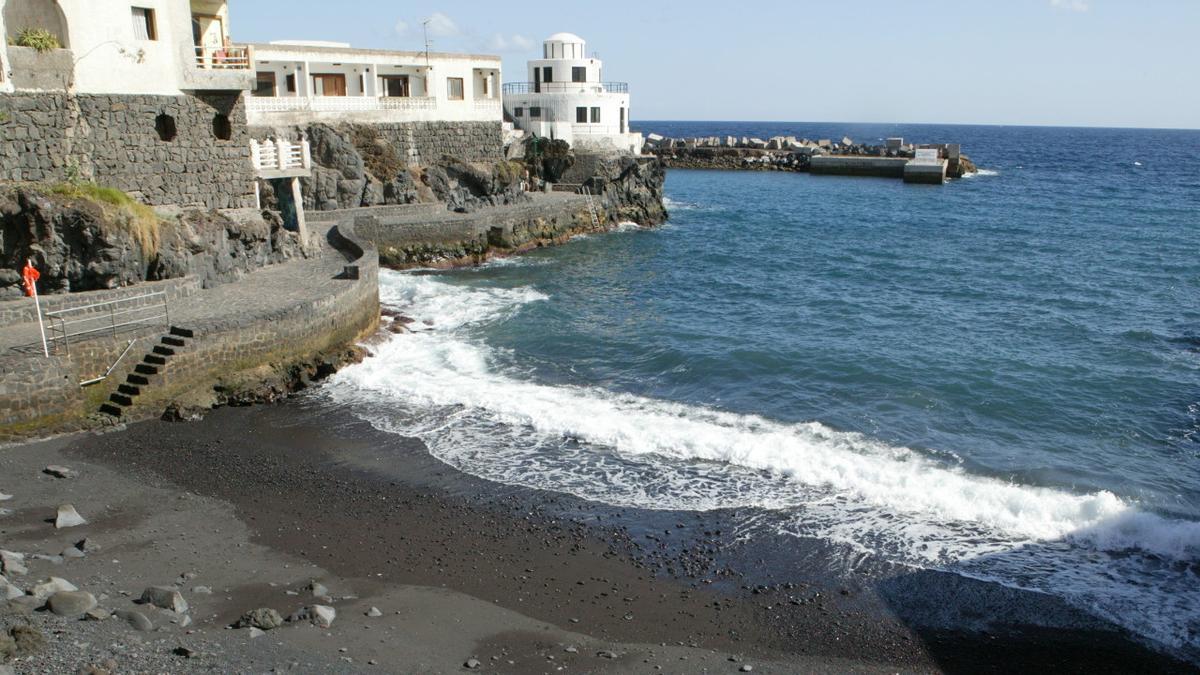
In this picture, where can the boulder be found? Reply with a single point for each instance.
(8, 591)
(59, 471)
(97, 614)
(319, 615)
(165, 597)
(4, 497)
(374, 612)
(136, 619)
(68, 517)
(72, 603)
(12, 563)
(263, 618)
(49, 587)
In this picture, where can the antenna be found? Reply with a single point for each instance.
(425, 30)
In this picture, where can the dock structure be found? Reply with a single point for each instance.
(928, 164)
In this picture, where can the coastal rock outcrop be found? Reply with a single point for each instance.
(80, 243)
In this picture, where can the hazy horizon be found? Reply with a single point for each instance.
(1065, 63)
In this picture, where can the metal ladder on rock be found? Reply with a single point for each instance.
(591, 207)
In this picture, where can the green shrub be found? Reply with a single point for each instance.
(37, 38)
(124, 211)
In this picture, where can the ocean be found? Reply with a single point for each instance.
(998, 377)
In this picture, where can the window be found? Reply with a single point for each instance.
(578, 74)
(222, 128)
(518, 112)
(143, 24)
(535, 111)
(581, 115)
(395, 86)
(290, 82)
(264, 84)
(595, 116)
(454, 88)
(164, 125)
(547, 74)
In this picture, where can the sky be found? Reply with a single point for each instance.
(1108, 63)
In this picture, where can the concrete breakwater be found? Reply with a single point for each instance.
(918, 163)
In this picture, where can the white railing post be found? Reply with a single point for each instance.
(255, 154)
(281, 151)
(307, 150)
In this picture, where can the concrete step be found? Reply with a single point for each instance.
(137, 380)
(182, 332)
(174, 341)
(129, 390)
(163, 351)
(110, 409)
(145, 369)
(155, 359)
(121, 400)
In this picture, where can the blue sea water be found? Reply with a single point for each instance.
(999, 376)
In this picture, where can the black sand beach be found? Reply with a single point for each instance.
(257, 502)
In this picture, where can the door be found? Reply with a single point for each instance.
(537, 80)
(329, 84)
(395, 86)
(624, 130)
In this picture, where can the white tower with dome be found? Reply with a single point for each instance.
(565, 97)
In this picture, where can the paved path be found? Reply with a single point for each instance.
(260, 292)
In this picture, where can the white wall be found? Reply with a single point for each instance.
(427, 78)
(5, 74)
(562, 68)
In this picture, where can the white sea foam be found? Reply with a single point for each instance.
(629, 450)
(982, 172)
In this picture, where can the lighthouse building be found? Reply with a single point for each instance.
(565, 97)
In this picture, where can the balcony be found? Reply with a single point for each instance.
(334, 104)
(280, 159)
(216, 68)
(566, 88)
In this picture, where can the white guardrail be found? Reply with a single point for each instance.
(280, 155)
(338, 103)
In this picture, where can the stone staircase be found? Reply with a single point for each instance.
(145, 372)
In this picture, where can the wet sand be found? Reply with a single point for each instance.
(259, 501)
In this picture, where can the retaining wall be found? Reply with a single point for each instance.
(40, 395)
(120, 141)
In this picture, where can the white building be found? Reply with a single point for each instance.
(158, 47)
(566, 98)
(302, 82)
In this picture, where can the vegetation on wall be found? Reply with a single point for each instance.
(379, 156)
(39, 39)
(122, 210)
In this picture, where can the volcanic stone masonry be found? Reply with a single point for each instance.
(184, 150)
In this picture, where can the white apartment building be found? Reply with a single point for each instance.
(157, 47)
(566, 97)
(302, 82)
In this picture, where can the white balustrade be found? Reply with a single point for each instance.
(280, 155)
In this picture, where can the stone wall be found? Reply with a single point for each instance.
(160, 149)
(425, 142)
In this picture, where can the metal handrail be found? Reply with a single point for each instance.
(60, 331)
(97, 380)
(558, 87)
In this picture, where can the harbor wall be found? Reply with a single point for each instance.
(188, 150)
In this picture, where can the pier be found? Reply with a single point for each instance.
(924, 163)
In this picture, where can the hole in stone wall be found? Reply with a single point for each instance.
(164, 124)
(222, 128)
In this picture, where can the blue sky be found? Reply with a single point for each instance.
(1133, 63)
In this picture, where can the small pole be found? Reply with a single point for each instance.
(37, 304)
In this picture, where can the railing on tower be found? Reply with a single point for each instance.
(566, 87)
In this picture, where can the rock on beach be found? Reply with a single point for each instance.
(165, 597)
(68, 517)
(72, 603)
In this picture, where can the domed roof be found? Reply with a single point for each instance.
(564, 37)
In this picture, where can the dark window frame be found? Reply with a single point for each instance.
(151, 18)
(581, 114)
(261, 77)
(595, 115)
(535, 111)
(518, 112)
(579, 73)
